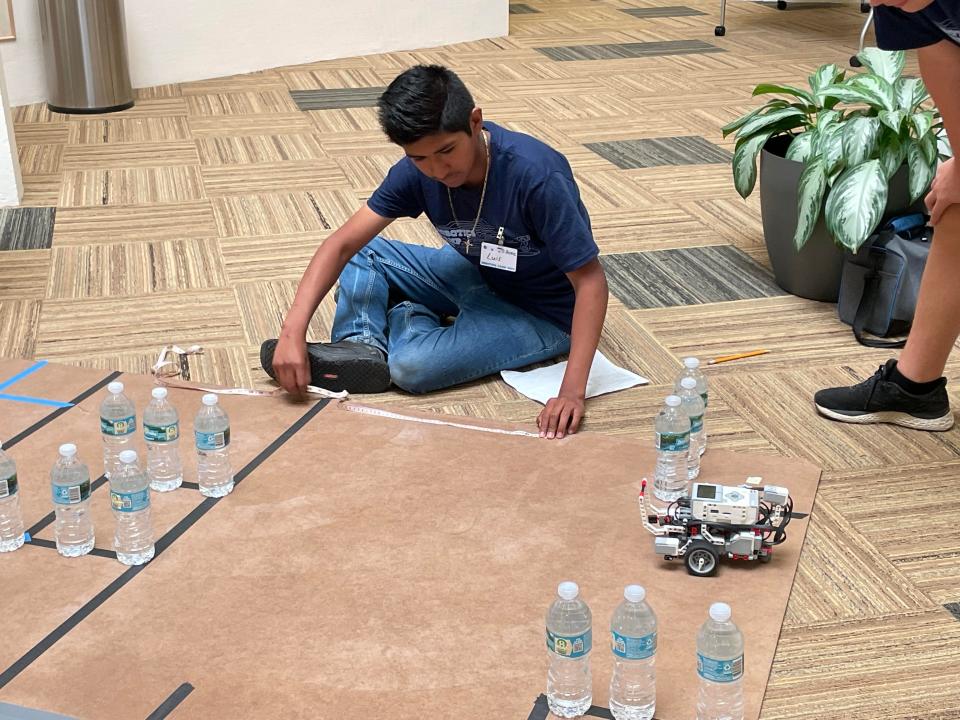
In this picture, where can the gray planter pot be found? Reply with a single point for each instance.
(814, 272)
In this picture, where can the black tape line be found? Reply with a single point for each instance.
(162, 544)
(51, 516)
(541, 710)
(170, 704)
(190, 485)
(44, 543)
(7, 444)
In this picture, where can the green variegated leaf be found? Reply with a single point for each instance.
(744, 119)
(792, 116)
(745, 162)
(830, 147)
(828, 117)
(893, 119)
(771, 88)
(856, 203)
(910, 93)
(892, 154)
(825, 76)
(921, 172)
(884, 63)
(813, 183)
(922, 122)
(928, 145)
(801, 147)
(859, 136)
(844, 94)
(876, 91)
(943, 146)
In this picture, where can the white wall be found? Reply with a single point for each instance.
(11, 187)
(180, 40)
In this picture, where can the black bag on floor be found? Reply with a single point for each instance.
(880, 283)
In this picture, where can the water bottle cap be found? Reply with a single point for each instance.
(68, 450)
(634, 593)
(673, 401)
(688, 383)
(115, 388)
(720, 612)
(128, 456)
(568, 590)
(210, 400)
(691, 362)
(159, 393)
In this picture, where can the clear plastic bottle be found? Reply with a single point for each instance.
(693, 406)
(161, 430)
(672, 435)
(118, 425)
(70, 484)
(569, 640)
(691, 367)
(212, 431)
(720, 667)
(130, 500)
(11, 519)
(633, 634)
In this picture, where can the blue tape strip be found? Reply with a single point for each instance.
(35, 400)
(21, 375)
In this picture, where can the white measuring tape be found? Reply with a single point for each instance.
(367, 410)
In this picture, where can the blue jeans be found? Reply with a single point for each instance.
(488, 334)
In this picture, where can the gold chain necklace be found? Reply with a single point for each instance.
(483, 193)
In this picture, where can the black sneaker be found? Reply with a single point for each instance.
(879, 400)
(352, 366)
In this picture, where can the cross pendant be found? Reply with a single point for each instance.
(467, 243)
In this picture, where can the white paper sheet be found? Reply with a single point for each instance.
(544, 383)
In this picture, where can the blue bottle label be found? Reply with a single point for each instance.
(161, 433)
(130, 502)
(696, 423)
(8, 487)
(71, 494)
(673, 442)
(571, 646)
(212, 441)
(123, 426)
(631, 648)
(721, 671)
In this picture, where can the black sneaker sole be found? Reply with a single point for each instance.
(335, 369)
(938, 424)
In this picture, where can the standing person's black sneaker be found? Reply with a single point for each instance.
(880, 399)
(352, 366)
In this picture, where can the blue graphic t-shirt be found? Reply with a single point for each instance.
(899, 30)
(532, 202)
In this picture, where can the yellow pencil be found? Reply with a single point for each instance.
(738, 356)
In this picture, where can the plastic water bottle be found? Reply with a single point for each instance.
(161, 430)
(70, 483)
(569, 639)
(118, 423)
(212, 431)
(11, 521)
(672, 432)
(693, 406)
(130, 500)
(633, 633)
(691, 367)
(720, 667)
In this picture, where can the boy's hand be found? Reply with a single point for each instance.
(290, 364)
(945, 190)
(561, 415)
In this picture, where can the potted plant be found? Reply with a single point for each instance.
(835, 160)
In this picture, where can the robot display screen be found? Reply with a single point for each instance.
(706, 492)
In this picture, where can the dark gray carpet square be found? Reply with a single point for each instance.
(628, 50)
(26, 228)
(654, 152)
(521, 9)
(337, 98)
(687, 276)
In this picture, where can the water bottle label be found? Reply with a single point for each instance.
(71, 494)
(571, 646)
(696, 423)
(631, 648)
(213, 441)
(674, 442)
(704, 396)
(161, 433)
(130, 502)
(721, 671)
(8, 487)
(123, 426)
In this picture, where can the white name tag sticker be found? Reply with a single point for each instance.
(498, 256)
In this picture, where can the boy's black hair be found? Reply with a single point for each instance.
(424, 100)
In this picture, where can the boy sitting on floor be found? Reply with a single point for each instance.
(519, 273)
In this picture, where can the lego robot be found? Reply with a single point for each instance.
(714, 521)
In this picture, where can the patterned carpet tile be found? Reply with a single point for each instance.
(250, 215)
(609, 51)
(45, 133)
(23, 274)
(42, 189)
(84, 225)
(26, 228)
(521, 9)
(40, 159)
(128, 155)
(662, 12)
(328, 79)
(271, 257)
(271, 177)
(131, 186)
(347, 120)
(288, 123)
(654, 152)
(332, 99)
(119, 129)
(220, 150)
(240, 103)
(18, 323)
(264, 304)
